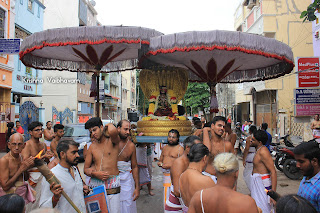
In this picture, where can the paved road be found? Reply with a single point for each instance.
(154, 204)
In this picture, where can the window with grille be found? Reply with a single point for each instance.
(2, 22)
(20, 33)
(30, 5)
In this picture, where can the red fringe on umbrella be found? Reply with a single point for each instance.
(218, 47)
(45, 44)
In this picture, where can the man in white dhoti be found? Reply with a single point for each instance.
(71, 182)
(169, 153)
(128, 168)
(248, 156)
(31, 149)
(264, 176)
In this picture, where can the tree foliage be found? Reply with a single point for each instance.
(197, 97)
(309, 13)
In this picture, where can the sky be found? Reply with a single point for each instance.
(169, 16)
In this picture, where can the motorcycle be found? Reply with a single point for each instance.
(282, 153)
(291, 170)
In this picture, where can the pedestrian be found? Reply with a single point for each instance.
(169, 153)
(70, 181)
(315, 127)
(244, 125)
(179, 166)
(308, 161)
(12, 203)
(294, 204)
(10, 131)
(229, 120)
(31, 149)
(248, 155)
(58, 134)
(222, 197)
(144, 176)
(128, 169)
(13, 170)
(216, 144)
(48, 134)
(264, 176)
(229, 135)
(264, 127)
(192, 180)
(101, 161)
(19, 128)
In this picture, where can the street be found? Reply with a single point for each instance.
(146, 203)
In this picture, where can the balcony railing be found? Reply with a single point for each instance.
(253, 16)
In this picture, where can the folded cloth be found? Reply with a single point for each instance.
(22, 189)
(112, 185)
(173, 204)
(259, 184)
(214, 178)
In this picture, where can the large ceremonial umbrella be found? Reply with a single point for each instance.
(86, 49)
(220, 57)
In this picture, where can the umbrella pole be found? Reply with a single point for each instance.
(213, 99)
(98, 101)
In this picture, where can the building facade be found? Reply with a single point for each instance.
(272, 101)
(7, 16)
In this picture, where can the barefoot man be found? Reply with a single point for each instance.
(222, 197)
(178, 167)
(32, 148)
(264, 176)
(169, 153)
(217, 144)
(103, 155)
(127, 165)
(13, 170)
(58, 134)
(48, 133)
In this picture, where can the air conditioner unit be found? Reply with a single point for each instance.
(251, 4)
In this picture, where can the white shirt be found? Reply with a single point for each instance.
(72, 187)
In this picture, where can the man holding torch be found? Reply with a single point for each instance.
(71, 182)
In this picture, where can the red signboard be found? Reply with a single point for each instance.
(309, 77)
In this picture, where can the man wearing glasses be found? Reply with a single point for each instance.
(32, 148)
(169, 153)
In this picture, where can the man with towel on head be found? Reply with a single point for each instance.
(128, 168)
(169, 153)
(264, 176)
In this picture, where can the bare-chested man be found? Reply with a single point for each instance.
(192, 180)
(217, 144)
(229, 135)
(58, 134)
(315, 127)
(222, 197)
(48, 133)
(13, 169)
(103, 155)
(177, 168)
(169, 153)
(32, 148)
(129, 172)
(264, 176)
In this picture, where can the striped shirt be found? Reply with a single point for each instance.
(310, 190)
